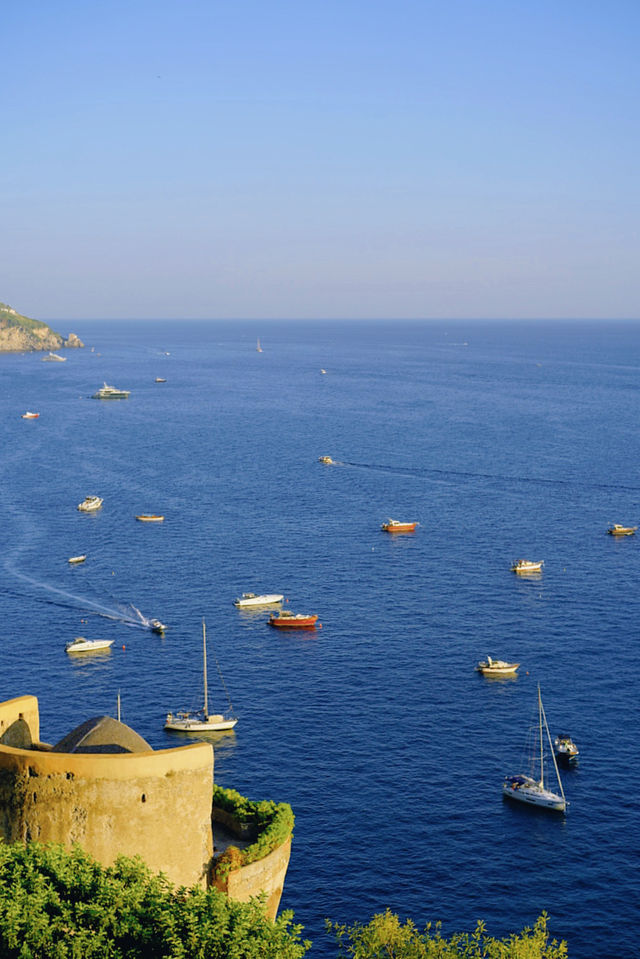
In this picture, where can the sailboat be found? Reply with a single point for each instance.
(529, 790)
(258, 347)
(200, 721)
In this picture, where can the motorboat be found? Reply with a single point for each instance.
(157, 627)
(30, 416)
(528, 788)
(149, 518)
(160, 379)
(325, 459)
(90, 504)
(618, 530)
(565, 748)
(54, 358)
(252, 599)
(393, 526)
(496, 667)
(527, 566)
(74, 560)
(111, 393)
(82, 645)
(285, 619)
(201, 721)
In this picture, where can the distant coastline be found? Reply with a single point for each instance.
(21, 334)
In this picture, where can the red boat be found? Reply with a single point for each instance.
(285, 619)
(393, 526)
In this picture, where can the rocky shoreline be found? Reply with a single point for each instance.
(21, 334)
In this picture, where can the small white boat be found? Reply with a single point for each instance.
(496, 667)
(160, 379)
(77, 559)
(618, 530)
(565, 748)
(252, 599)
(30, 416)
(258, 347)
(150, 518)
(90, 504)
(201, 721)
(527, 566)
(157, 627)
(54, 358)
(111, 393)
(82, 645)
(326, 460)
(528, 789)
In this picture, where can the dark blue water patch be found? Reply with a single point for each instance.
(503, 441)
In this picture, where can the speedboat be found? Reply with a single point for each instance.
(160, 379)
(618, 530)
(527, 566)
(90, 504)
(30, 416)
(150, 518)
(77, 559)
(251, 599)
(82, 645)
(285, 619)
(393, 526)
(156, 626)
(54, 358)
(325, 459)
(565, 748)
(111, 393)
(496, 667)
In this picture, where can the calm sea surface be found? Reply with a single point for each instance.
(503, 441)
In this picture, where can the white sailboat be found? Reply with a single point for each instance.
(200, 721)
(533, 791)
(258, 347)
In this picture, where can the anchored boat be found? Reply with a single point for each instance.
(527, 789)
(200, 721)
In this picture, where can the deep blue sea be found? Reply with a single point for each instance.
(503, 440)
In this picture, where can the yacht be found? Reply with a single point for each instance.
(54, 358)
(111, 393)
(251, 599)
(90, 504)
(82, 645)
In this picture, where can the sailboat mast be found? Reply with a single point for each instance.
(204, 660)
(541, 742)
(553, 755)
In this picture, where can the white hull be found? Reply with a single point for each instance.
(267, 600)
(199, 725)
(89, 646)
(530, 792)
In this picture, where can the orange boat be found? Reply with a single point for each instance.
(285, 619)
(393, 526)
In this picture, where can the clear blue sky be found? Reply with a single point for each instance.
(320, 158)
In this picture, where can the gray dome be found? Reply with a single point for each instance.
(102, 734)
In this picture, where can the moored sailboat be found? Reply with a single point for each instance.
(527, 789)
(200, 721)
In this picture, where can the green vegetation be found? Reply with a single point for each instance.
(270, 823)
(384, 937)
(65, 905)
(9, 317)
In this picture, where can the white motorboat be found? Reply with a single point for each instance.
(528, 789)
(565, 748)
(326, 460)
(252, 599)
(201, 721)
(82, 645)
(90, 504)
(157, 627)
(30, 416)
(496, 667)
(54, 358)
(527, 566)
(111, 393)
(74, 560)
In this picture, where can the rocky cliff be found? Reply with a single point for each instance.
(20, 334)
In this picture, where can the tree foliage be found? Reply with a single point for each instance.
(385, 937)
(56, 904)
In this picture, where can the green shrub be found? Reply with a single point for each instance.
(271, 823)
(64, 905)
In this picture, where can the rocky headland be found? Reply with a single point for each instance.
(21, 334)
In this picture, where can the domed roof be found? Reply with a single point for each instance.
(102, 734)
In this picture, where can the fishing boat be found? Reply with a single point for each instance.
(496, 667)
(201, 721)
(258, 347)
(618, 530)
(74, 560)
(90, 504)
(565, 748)
(111, 393)
(54, 358)
(157, 627)
(528, 789)
(285, 619)
(252, 599)
(326, 460)
(150, 518)
(82, 645)
(527, 566)
(393, 526)
(30, 416)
